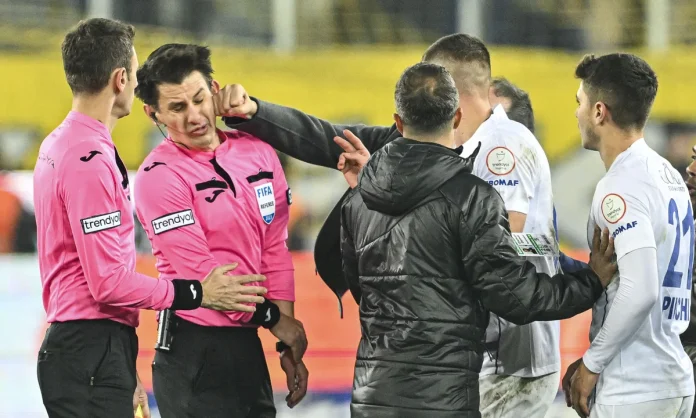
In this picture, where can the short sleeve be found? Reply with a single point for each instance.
(623, 208)
(511, 172)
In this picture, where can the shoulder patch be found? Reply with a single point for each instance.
(101, 222)
(266, 201)
(613, 208)
(173, 221)
(500, 161)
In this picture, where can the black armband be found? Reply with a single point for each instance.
(281, 346)
(267, 314)
(188, 295)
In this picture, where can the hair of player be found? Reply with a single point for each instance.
(624, 83)
(520, 105)
(466, 58)
(426, 98)
(171, 64)
(92, 50)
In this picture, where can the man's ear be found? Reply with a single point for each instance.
(215, 87)
(119, 79)
(399, 123)
(601, 113)
(151, 114)
(457, 118)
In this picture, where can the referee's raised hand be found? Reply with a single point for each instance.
(223, 292)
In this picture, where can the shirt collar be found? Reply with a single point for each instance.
(499, 111)
(92, 124)
(203, 156)
(638, 146)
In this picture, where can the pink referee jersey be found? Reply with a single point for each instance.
(85, 229)
(202, 209)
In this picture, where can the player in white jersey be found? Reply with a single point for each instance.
(635, 366)
(521, 371)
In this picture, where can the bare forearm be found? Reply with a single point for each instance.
(286, 307)
(517, 221)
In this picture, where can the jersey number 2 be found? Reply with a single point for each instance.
(674, 278)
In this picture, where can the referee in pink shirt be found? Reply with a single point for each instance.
(86, 250)
(207, 197)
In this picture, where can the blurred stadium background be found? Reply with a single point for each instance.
(339, 60)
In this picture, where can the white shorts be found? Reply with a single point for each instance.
(662, 408)
(515, 397)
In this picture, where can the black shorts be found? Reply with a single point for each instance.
(213, 372)
(87, 369)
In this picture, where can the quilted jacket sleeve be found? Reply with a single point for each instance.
(507, 284)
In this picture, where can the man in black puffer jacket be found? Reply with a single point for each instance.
(427, 251)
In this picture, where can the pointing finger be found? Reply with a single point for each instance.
(354, 140)
(346, 145)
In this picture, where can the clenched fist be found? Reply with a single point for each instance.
(233, 101)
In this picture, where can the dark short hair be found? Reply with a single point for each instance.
(93, 50)
(171, 63)
(459, 47)
(520, 105)
(623, 82)
(426, 98)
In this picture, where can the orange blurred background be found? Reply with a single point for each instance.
(332, 341)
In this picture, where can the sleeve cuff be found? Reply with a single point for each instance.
(280, 285)
(516, 206)
(233, 121)
(591, 364)
(188, 295)
(625, 249)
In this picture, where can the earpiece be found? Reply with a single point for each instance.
(154, 117)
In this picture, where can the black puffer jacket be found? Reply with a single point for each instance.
(427, 250)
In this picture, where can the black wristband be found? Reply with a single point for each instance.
(188, 295)
(281, 346)
(267, 314)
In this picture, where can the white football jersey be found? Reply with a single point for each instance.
(514, 163)
(644, 202)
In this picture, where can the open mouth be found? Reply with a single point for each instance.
(200, 131)
(692, 189)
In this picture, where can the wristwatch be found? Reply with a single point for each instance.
(281, 346)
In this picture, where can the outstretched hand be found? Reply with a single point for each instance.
(354, 157)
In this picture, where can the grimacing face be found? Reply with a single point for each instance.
(583, 113)
(188, 112)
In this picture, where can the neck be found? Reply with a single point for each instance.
(615, 143)
(445, 140)
(97, 107)
(209, 147)
(475, 111)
